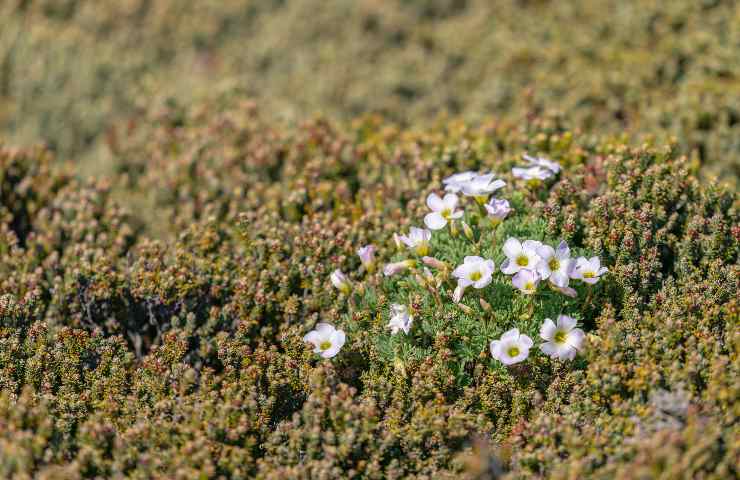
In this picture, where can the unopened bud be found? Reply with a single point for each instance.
(468, 232)
(397, 267)
(434, 263)
(458, 294)
(484, 305)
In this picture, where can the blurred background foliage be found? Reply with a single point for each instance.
(73, 71)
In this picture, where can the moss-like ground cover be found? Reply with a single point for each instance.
(152, 317)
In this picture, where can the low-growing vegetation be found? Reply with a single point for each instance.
(152, 324)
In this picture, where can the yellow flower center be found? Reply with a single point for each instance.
(513, 351)
(522, 260)
(554, 264)
(422, 248)
(446, 213)
(325, 345)
(588, 275)
(559, 336)
(475, 276)
(529, 286)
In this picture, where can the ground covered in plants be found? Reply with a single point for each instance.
(168, 242)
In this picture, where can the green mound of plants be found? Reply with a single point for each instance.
(158, 324)
(76, 74)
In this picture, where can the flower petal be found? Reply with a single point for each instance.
(494, 347)
(563, 251)
(435, 203)
(313, 337)
(566, 323)
(545, 251)
(512, 247)
(338, 338)
(576, 338)
(511, 334)
(549, 349)
(435, 221)
(547, 330)
(508, 267)
(559, 279)
(450, 201)
(324, 328)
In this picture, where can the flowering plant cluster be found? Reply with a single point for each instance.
(529, 263)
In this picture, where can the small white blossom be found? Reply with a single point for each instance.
(588, 270)
(397, 267)
(563, 340)
(555, 265)
(497, 208)
(401, 319)
(340, 281)
(418, 239)
(520, 256)
(526, 281)
(512, 348)
(327, 340)
(532, 173)
(475, 271)
(542, 162)
(443, 210)
(454, 183)
(367, 257)
(481, 186)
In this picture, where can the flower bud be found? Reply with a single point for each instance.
(367, 257)
(341, 282)
(468, 232)
(434, 263)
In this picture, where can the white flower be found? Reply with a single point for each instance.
(542, 162)
(563, 340)
(326, 339)
(526, 281)
(532, 173)
(340, 280)
(588, 270)
(397, 267)
(418, 239)
(497, 208)
(512, 348)
(443, 210)
(454, 183)
(401, 319)
(367, 257)
(481, 186)
(475, 271)
(555, 265)
(520, 256)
